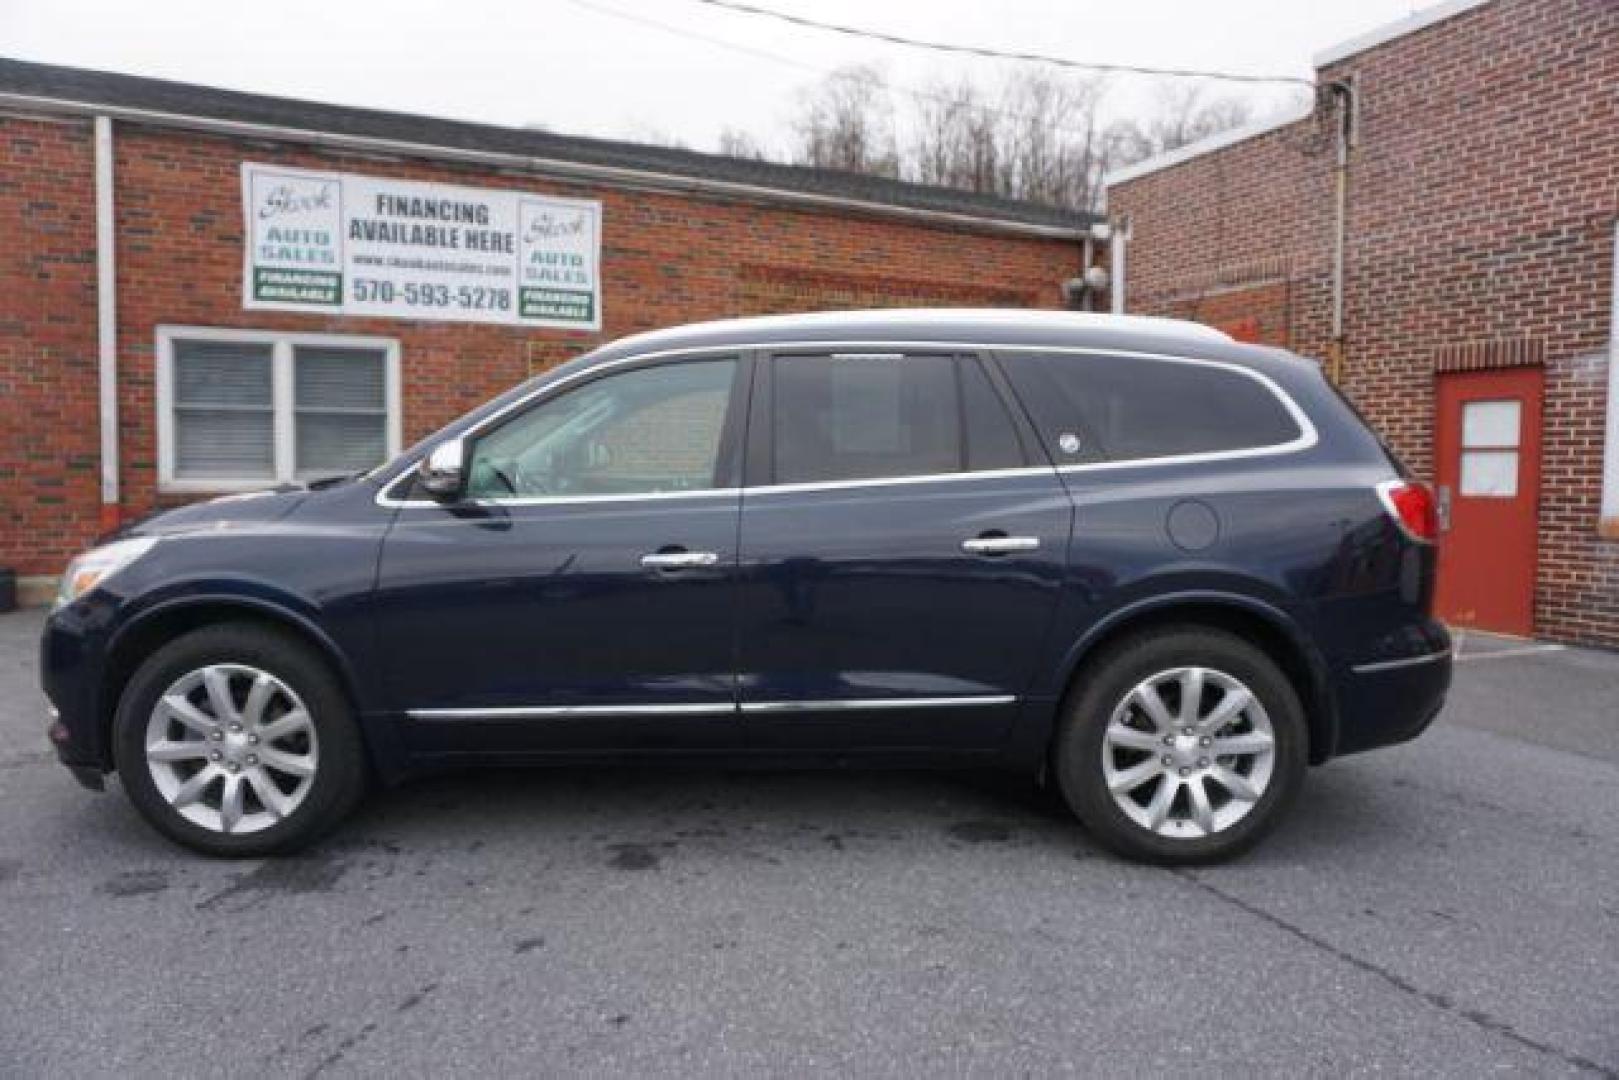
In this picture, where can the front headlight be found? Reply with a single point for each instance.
(95, 566)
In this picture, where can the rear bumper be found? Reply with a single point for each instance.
(1393, 700)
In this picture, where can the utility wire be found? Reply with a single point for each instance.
(994, 54)
(748, 50)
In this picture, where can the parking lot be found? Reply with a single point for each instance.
(1447, 907)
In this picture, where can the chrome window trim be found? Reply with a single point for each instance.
(892, 481)
(562, 712)
(1307, 438)
(1403, 662)
(569, 500)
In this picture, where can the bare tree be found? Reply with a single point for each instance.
(1183, 115)
(1051, 143)
(737, 143)
(847, 122)
(1039, 136)
(958, 141)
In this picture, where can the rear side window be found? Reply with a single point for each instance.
(864, 417)
(992, 439)
(1091, 408)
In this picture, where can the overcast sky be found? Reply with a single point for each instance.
(598, 67)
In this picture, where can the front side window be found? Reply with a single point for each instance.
(650, 431)
(864, 417)
(1091, 408)
(240, 409)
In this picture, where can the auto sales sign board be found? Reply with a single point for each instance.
(364, 245)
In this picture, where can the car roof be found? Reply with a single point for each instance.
(919, 329)
(955, 326)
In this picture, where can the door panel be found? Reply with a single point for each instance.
(582, 596)
(890, 596)
(545, 608)
(1487, 443)
(867, 595)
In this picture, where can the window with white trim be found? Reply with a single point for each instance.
(239, 409)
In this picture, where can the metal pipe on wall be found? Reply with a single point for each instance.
(1116, 246)
(107, 321)
(1609, 520)
(1343, 94)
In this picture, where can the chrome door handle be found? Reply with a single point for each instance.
(678, 560)
(999, 545)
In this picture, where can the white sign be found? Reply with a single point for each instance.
(364, 245)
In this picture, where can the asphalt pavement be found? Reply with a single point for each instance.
(1445, 908)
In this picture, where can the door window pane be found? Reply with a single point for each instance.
(861, 418)
(1490, 473)
(224, 414)
(642, 432)
(992, 441)
(1115, 408)
(340, 409)
(1490, 424)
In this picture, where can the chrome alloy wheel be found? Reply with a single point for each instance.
(1188, 752)
(232, 748)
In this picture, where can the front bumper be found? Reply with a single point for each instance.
(89, 776)
(71, 656)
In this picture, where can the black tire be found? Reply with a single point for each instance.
(339, 779)
(1103, 685)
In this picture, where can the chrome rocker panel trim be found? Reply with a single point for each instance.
(562, 712)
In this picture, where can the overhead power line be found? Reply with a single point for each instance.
(995, 54)
(909, 91)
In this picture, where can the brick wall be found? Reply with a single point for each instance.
(1483, 193)
(49, 445)
(666, 259)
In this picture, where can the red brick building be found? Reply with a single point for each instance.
(143, 361)
(1473, 317)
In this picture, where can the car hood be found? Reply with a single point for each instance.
(253, 507)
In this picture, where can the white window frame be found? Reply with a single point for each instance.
(282, 400)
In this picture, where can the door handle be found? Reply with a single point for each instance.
(1444, 508)
(678, 560)
(999, 545)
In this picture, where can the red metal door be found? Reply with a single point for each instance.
(1487, 441)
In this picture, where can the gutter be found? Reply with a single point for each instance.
(611, 174)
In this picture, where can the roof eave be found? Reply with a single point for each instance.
(1354, 46)
(1399, 28)
(1205, 146)
(615, 175)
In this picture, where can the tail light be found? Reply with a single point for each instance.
(1413, 508)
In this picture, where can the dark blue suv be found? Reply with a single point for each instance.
(1161, 571)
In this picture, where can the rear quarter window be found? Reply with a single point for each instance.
(1095, 408)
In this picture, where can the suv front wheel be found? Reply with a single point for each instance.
(237, 740)
(1181, 746)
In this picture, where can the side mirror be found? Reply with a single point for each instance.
(443, 472)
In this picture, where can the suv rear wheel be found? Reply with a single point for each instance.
(1184, 745)
(237, 740)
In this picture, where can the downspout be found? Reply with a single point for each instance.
(1609, 522)
(107, 323)
(1120, 239)
(1087, 255)
(1343, 96)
